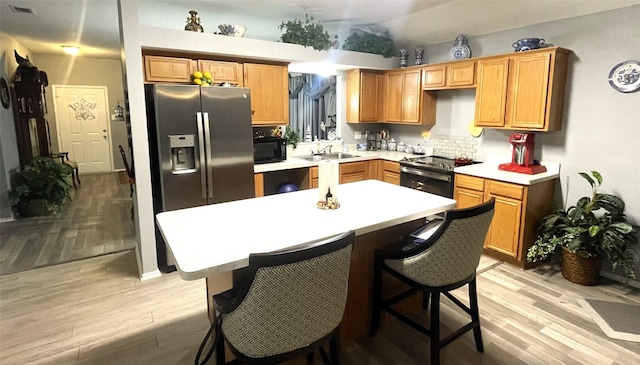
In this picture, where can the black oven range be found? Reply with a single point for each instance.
(431, 174)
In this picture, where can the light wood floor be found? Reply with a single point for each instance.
(96, 221)
(97, 311)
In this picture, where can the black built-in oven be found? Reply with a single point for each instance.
(431, 174)
(434, 182)
(269, 149)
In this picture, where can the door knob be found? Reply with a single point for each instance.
(105, 137)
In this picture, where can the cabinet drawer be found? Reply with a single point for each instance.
(469, 182)
(390, 166)
(353, 167)
(505, 189)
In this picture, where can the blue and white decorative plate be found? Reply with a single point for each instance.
(459, 52)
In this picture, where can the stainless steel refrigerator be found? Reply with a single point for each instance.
(201, 148)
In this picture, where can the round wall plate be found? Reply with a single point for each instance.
(625, 76)
(475, 131)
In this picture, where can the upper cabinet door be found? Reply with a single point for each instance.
(362, 96)
(461, 74)
(530, 80)
(269, 86)
(223, 71)
(168, 69)
(433, 77)
(411, 91)
(491, 93)
(394, 88)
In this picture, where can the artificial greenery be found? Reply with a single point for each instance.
(580, 230)
(369, 43)
(308, 34)
(43, 178)
(293, 137)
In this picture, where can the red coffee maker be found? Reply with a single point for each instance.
(522, 148)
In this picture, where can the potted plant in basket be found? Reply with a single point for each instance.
(586, 237)
(41, 187)
(293, 138)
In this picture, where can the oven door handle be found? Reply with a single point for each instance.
(427, 174)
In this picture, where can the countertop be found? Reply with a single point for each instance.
(292, 162)
(217, 238)
(490, 171)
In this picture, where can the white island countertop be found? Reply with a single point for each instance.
(491, 171)
(217, 238)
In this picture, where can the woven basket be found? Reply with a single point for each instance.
(580, 269)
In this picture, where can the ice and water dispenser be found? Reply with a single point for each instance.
(183, 157)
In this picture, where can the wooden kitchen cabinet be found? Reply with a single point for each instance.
(452, 75)
(313, 177)
(390, 172)
(363, 93)
(518, 208)
(269, 86)
(353, 171)
(373, 169)
(223, 71)
(168, 69)
(258, 181)
(522, 91)
(405, 102)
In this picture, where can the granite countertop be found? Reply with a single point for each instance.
(217, 238)
(490, 171)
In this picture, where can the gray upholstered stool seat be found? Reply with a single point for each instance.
(445, 261)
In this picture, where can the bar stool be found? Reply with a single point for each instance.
(445, 261)
(289, 304)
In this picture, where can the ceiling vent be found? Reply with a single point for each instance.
(21, 10)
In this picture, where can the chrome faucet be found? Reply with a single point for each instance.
(323, 149)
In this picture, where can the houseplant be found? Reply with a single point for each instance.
(579, 231)
(41, 187)
(308, 34)
(293, 137)
(369, 43)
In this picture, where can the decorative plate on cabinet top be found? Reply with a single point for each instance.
(460, 50)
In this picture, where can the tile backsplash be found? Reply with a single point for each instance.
(454, 146)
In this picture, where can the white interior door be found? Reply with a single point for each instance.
(83, 126)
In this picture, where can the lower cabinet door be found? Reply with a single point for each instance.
(504, 233)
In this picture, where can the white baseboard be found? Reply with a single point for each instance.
(7, 220)
(150, 275)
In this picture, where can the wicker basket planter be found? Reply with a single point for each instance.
(580, 269)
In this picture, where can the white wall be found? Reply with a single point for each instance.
(601, 126)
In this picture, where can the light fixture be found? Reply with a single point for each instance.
(118, 111)
(70, 50)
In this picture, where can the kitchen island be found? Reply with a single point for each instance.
(211, 241)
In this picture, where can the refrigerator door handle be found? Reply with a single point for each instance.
(203, 168)
(207, 135)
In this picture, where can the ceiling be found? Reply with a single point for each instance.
(93, 24)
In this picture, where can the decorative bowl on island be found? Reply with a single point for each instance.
(233, 30)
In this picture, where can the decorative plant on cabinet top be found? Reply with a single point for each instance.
(369, 43)
(308, 34)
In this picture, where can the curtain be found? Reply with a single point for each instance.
(312, 104)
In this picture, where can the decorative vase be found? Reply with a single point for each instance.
(403, 57)
(581, 269)
(419, 54)
(193, 23)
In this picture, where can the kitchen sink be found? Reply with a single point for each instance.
(327, 156)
